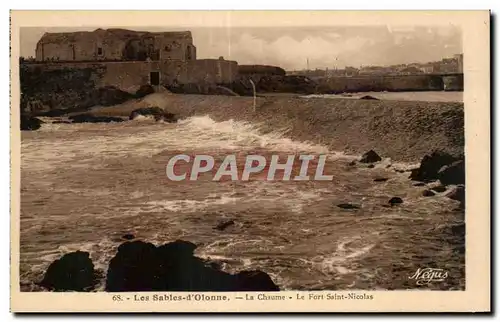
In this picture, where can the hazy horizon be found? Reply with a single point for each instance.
(291, 48)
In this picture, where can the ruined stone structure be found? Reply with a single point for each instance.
(116, 45)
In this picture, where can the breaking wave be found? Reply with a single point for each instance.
(147, 139)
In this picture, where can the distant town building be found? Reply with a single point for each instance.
(428, 68)
(375, 70)
(351, 71)
(447, 66)
(411, 70)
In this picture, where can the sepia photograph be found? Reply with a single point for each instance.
(179, 163)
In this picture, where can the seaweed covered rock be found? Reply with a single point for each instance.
(144, 90)
(72, 272)
(395, 201)
(89, 118)
(157, 113)
(368, 97)
(348, 206)
(458, 194)
(453, 173)
(140, 266)
(29, 123)
(254, 280)
(146, 111)
(110, 95)
(224, 224)
(133, 268)
(431, 165)
(370, 157)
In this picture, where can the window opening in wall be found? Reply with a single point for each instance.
(154, 78)
(99, 51)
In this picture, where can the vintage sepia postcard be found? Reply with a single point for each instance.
(250, 161)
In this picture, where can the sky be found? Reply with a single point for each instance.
(292, 47)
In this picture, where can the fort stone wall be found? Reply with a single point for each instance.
(453, 82)
(70, 85)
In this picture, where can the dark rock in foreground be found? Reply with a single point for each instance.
(430, 166)
(368, 97)
(144, 90)
(72, 272)
(140, 266)
(134, 267)
(110, 95)
(128, 237)
(247, 281)
(370, 157)
(156, 112)
(439, 189)
(89, 118)
(348, 206)
(428, 193)
(168, 117)
(453, 173)
(29, 123)
(458, 194)
(224, 224)
(395, 201)
(458, 230)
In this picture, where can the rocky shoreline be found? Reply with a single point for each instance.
(139, 266)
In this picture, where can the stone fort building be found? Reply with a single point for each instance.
(128, 59)
(116, 45)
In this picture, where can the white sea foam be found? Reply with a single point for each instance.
(233, 134)
(187, 205)
(144, 118)
(339, 261)
(122, 139)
